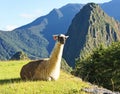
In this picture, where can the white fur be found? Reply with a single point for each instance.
(55, 59)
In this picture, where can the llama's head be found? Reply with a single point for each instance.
(60, 38)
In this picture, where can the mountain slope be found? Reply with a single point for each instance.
(35, 38)
(90, 28)
(14, 41)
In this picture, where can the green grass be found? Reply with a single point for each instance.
(10, 82)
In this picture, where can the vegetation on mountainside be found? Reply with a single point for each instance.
(65, 66)
(32, 43)
(102, 67)
(10, 82)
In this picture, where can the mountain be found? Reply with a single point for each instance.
(112, 8)
(22, 40)
(57, 21)
(35, 38)
(90, 28)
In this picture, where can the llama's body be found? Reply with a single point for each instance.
(45, 69)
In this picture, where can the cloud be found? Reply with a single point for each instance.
(36, 13)
(10, 27)
(28, 16)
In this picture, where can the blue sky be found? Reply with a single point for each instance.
(15, 13)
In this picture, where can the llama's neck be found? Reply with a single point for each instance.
(55, 60)
(56, 54)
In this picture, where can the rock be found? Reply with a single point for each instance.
(19, 56)
(98, 90)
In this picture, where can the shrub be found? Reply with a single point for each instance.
(102, 67)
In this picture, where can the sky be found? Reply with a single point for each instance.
(16, 13)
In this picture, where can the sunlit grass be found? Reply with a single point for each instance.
(10, 69)
(10, 82)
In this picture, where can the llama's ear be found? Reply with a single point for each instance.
(55, 37)
(66, 37)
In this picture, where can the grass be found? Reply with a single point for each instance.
(10, 82)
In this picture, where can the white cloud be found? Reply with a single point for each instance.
(36, 13)
(10, 27)
(28, 16)
(39, 12)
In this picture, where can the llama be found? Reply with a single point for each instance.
(46, 69)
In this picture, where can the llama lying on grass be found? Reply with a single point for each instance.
(46, 69)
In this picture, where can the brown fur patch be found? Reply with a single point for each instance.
(28, 70)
